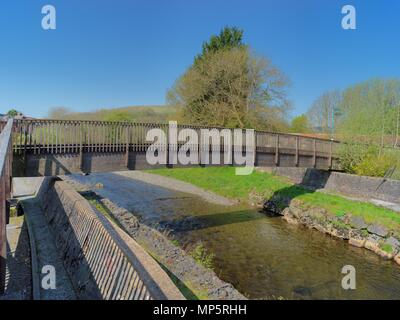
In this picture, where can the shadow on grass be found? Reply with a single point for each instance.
(311, 181)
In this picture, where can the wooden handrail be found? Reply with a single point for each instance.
(5, 192)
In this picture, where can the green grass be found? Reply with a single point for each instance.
(223, 181)
(387, 248)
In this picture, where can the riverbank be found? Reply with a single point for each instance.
(362, 224)
(194, 280)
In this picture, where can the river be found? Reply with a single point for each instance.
(262, 256)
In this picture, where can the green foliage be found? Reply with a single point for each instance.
(371, 112)
(364, 233)
(13, 212)
(340, 214)
(386, 247)
(12, 113)
(229, 86)
(374, 165)
(323, 113)
(367, 120)
(300, 124)
(136, 113)
(175, 242)
(118, 115)
(351, 154)
(202, 256)
(340, 224)
(369, 160)
(59, 113)
(228, 38)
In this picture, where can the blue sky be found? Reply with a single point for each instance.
(121, 53)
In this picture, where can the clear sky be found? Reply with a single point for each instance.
(120, 53)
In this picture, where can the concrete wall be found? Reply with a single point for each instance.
(60, 164)
(101, 260)
(347, 184)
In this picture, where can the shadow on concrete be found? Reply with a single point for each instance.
(31, 167)
(18, 277)
(315, 179)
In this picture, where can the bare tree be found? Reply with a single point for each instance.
(59, 113)
(323, 110)
(397, 127)
(232, 88)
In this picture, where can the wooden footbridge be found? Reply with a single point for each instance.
(52, 147)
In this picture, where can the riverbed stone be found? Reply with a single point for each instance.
(384, 254)
(272, 206)
(372, 242)
(296, 212)
(356, 238)
(395, 243)
(397, 259)
(358, 223)
(378, 230)
(320, 228)
(341, 233)
(290, 219)
(357, 242)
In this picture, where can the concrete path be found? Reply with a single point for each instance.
(44, 253)
(176, 185)
(18, 268)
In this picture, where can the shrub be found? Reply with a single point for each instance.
(202, 256)
(369, 160)
(374, 166)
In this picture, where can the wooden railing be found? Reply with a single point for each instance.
(70, 136)
(5, 190)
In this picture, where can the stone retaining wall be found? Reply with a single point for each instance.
(102, 261)
(347, 184)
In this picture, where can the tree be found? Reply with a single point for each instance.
(59, 113)
(228, 38)
(370, 123)
(321, 114)
(370, 111)
(12, 113)
(396, 141)
(230, 86)
(300, 124)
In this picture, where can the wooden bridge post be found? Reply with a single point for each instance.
(80, 147)
(314, 153)
(277, 150)
(296, 162)
(330, 154)
(255, 148)
(127, 147)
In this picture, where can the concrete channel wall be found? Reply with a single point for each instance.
(65, 163)
(100, 259)
(347, 184)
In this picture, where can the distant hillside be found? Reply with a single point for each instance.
(132, 113)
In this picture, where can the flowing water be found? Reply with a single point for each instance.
(262, 256)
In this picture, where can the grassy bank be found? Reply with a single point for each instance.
(223, 181)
